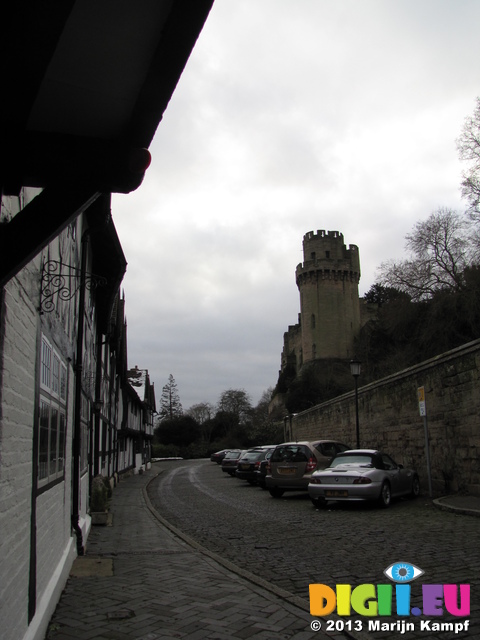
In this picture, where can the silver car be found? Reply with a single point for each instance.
(362, 474)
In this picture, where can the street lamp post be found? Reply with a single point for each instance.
(355, 368)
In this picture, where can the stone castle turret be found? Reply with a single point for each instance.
(329, 319)
(328, 283)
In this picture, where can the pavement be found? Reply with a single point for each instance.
(142, 579)
(464, 504)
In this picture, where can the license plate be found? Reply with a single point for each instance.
(244, 467)
(287, 471)
(336, 494)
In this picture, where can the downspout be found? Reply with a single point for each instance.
(115, 424)
(97, 413)
(77, 428)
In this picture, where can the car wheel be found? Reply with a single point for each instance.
(319, 503)
(275, 492)
(415, 492)
(385, 495)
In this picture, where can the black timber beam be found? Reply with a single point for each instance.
(37, 224)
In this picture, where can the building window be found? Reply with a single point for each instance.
(46, 363)
(56, 375)
(313, 321)
(52, 423)
(84, 433)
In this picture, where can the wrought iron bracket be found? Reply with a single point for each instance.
(62, 281)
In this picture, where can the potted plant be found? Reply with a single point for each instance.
(99, 500)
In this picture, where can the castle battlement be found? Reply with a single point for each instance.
(326, 255)
(322, 234)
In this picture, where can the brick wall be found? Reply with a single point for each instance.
(20, 330)
(18, 338)
(389, 419)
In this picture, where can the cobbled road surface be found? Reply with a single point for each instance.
(291, 544)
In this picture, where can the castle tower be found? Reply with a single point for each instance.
(328, 284)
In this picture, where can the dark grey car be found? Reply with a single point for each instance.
(250, 462)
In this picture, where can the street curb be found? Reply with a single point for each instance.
(460, 510)
(292, 599)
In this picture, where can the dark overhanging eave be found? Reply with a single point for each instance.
(40, 157)
(73, 170)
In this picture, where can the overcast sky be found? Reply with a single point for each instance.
(291, 116)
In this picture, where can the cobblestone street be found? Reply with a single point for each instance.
(290, 544)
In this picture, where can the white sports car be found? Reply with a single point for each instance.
(362, 474)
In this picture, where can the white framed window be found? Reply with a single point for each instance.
(52, 417)
(56, 375)
(46, 373)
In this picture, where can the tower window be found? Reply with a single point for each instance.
(313, 321)
(327, 254)
(313, 255)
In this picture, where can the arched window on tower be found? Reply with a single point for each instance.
(313, 321)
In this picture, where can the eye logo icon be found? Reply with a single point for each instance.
(403, 572)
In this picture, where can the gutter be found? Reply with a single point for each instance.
(77, 430)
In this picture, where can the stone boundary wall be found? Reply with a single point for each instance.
(390, 420)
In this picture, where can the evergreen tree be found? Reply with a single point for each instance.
(170, 405)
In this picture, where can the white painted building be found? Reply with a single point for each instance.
(68, 410)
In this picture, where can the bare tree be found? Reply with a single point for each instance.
(202, 413)
(237, 402)
(468, 145)
(440, 250)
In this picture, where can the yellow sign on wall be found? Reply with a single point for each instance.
(421, 401)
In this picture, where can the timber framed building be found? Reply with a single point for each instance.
(85, 86)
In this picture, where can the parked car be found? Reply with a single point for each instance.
(230, 461)
(292, 464)
(261, 469)
(218, 456)
(363, 474)
(250, 462)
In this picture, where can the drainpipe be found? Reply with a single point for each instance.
(77, 428)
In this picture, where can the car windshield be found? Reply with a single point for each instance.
(364, 460)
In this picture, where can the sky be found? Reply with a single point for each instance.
(291, 116)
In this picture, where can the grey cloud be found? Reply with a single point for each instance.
(289, 117)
